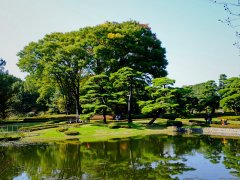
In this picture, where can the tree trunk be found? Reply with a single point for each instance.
(153, 119)
(129, 104)
(104, 117)
(77, 108)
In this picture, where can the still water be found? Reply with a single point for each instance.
(151, 157)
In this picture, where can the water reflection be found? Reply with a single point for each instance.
(152, 157)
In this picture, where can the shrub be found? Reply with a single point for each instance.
(62, 129)
(85, 117)
(170, 116)
(174, 123)
(71, 133)
(114, 126)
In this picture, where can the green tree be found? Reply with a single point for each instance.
(6, 90)
(222, 79)
(97, 96)
(207, 94)
(162, 98)
(2, 65)
(57, 59)
(186, 100)
(127, 82)
(230, 95)
(23, 101)
(128, 44)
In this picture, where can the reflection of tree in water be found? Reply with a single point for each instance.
(153, 157)
(211, 149)
(8, 168)
(135, 159)
(231, 160)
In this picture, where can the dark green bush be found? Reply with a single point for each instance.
(71, 133)
(62, 129)
(114, 126)
(169, 116)
(174, 123)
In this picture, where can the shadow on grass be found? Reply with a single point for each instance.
(155, 126)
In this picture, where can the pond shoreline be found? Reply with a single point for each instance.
(211, 131)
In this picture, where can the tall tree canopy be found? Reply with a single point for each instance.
(57, 59)
(63, 59)
(128, 44)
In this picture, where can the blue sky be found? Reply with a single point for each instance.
(199, 48)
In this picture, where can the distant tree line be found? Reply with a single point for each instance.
(113, 68)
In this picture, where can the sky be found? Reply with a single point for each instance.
(199, 47)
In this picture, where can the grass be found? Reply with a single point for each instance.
(97, 131)
(11, 136)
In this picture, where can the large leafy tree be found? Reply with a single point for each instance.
(128, 44)
(57, 59)
(162, 98)
(62, 59)
(230, 95)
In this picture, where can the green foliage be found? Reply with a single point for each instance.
(174, 123)
(60, 61)
(62, 129)
(128, 44)
(86, 117)
(207, 95)
(7, 92)
(128, 87)
(97, 96)
(71, 133)
(230, 94)
(162, 97)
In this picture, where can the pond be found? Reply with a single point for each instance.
(150, 157)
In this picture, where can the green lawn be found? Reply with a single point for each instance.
(95, 130)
